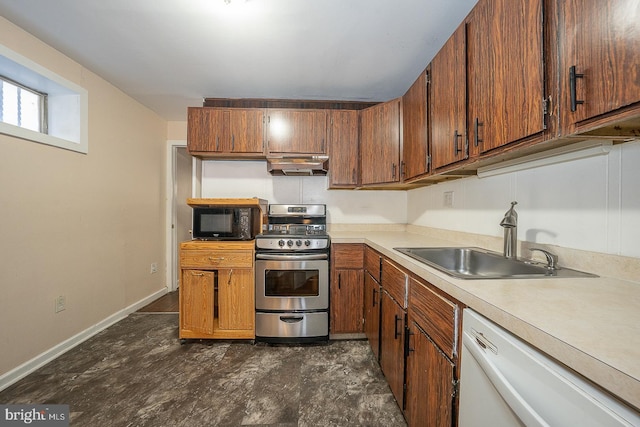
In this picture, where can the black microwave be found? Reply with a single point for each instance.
(224, 223)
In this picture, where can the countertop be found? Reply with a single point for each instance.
(591, 325)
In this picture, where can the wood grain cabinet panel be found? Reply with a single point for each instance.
(415, 133)
(344, 149)
(225, 132)
(394, 281)
(380, 143)
(347, 288)
(371, 301)
(217, 291)
(373, 263)
(505, 70)
(601, 39)
(392, 324)
(448, 107)
(437, 315)
(430, 400)
(297, 131)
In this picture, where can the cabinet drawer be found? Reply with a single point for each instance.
(437, 315)
(347, 255)
(372, 263)
(394, 281)
(216, 259)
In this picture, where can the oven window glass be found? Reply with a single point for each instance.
(291, 283)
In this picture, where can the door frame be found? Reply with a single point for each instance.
(171, 235)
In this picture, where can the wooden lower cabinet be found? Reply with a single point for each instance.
(430, 382)
(347, 288)
(392, 324)
(418, 342)
(217, 292)
(372, 292)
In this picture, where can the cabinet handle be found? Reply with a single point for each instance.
(393, 170)
(193, 273)
(476, 124)
(339, 280)
(572, 87)
(403, 169)
(374, 297)
(233, 142)
(213, 258)
(217, 142)
(456, 136)
(409, 349)
(396, 334)
(230, 274)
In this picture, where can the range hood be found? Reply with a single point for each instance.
(298, 165)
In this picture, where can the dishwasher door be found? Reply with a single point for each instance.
(506, 382)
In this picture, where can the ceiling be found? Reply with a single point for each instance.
(169, 54)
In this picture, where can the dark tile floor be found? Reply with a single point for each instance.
(136, 373)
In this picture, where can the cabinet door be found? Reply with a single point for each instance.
(430, 379)
(372, 313)
(392, 345)
(380, 143)
(197, 301)
(505, 72)
(297, 131)
(346, 301)
(601, 38)
(343, 149)
(205, 130)
(415, 153)
(448, 102)
(246, 131)
(236, 307)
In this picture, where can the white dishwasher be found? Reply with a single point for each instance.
(504, 382)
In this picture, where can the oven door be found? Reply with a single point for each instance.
(286, 282)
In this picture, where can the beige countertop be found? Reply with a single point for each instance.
(591, 325)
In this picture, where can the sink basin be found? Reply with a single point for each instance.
(476, 263)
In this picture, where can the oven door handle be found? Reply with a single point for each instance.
(291, 257)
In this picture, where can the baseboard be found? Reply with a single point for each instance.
(42, 359)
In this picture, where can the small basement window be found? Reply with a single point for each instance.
(22, 106)
(40, 106)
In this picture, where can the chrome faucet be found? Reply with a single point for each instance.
(510, 225)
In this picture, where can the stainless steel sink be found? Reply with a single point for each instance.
(476, 263)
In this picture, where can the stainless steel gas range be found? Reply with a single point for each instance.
(292, 275)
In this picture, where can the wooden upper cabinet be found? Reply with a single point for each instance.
(505, 73)
(380, 143)
(448, 99)
(415, 135)
(225, 131)
(343, 149)
(601, 39)
(297, 131)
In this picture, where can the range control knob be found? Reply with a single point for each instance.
(281, 243)
(298, 242)
(289, 242)
(307, 242)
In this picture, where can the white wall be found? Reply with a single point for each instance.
(251, 179)
(590, 204)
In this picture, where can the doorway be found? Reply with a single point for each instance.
(180, 179)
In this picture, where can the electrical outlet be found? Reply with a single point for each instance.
(60, 303)
(448, 199)
(154, 267)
